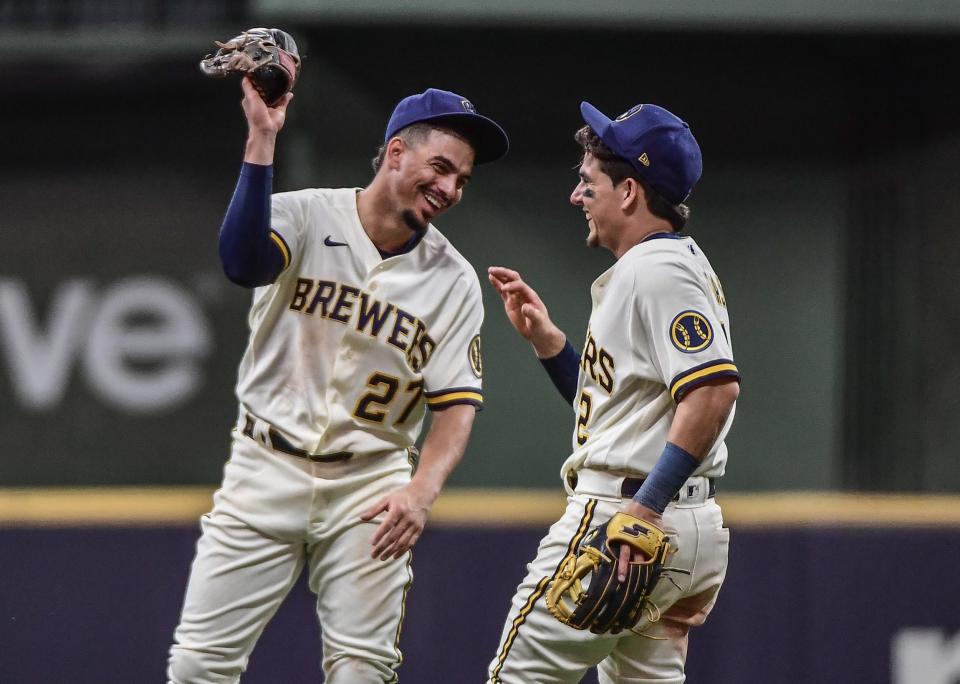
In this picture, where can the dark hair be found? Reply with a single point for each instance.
(414, 134)
(619, 169)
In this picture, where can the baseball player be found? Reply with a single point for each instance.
(653, 393)
(363, 316)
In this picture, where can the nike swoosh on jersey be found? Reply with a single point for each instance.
(333, 243)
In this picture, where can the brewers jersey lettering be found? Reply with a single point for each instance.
(358, 345)
(659, 328)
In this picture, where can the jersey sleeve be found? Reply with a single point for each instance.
(246, 249)
(687, 327)
(288, 211)
(455, 370)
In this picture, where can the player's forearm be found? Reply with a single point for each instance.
(443, 448)
(696, 425)
(701, 416)
(260, 147)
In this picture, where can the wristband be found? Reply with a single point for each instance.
(667, 477)
(563, 370)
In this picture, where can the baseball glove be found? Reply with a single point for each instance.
(608, 605)
(269, 58)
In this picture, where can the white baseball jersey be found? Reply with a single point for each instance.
(659, 328)
(347, 347)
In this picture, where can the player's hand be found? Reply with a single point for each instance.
(406, 510)
(260, 117)
(263, 124)
(627, 553)
(527, 312)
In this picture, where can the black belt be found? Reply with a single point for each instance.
(280, 443)
(631, 485)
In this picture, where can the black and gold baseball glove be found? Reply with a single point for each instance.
(608, 605)
(269, 58)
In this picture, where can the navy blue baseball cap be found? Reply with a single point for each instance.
(455, 112)
(658, 144)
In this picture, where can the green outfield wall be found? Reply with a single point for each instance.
(827, 206)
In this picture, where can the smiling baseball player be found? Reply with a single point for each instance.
(363, 316)
(654, 391)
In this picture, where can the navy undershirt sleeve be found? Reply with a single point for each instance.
(563, 370)
(249, 256)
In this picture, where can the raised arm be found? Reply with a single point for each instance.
(529, 317)
(249, 256)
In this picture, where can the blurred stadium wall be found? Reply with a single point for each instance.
(829, 205)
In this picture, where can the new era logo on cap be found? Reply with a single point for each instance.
(449, 110)
(655, 142)
(630, 112)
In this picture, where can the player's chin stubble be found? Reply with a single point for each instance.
(413, 223)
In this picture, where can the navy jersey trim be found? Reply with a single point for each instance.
(696, 376)
(664, 236)
(441, 399)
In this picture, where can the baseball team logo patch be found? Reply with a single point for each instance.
(468, 106)
(476, 360)
(691, 332)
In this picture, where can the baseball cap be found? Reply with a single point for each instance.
(456, 112)
(658, 144)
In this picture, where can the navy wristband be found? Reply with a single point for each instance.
(666, 478)
(563, 370)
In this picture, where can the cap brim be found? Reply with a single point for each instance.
(595, 119)
(489, 141)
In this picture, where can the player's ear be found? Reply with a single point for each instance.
(395, 149)
(631, 193)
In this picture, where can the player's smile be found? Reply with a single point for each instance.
(589, 195)
(436, 201)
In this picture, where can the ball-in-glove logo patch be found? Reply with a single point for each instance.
(476, 360)
(691, 332)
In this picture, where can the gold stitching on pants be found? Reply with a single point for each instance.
(403, 614)
(540, 588)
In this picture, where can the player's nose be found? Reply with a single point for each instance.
(576, 197)
(448, 186)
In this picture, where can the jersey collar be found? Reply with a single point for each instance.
(664, 236)
(411, 244)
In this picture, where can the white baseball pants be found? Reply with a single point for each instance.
(273, 514)
(536, 648)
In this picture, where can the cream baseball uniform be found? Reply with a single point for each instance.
(346, 350)
(659, 328)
